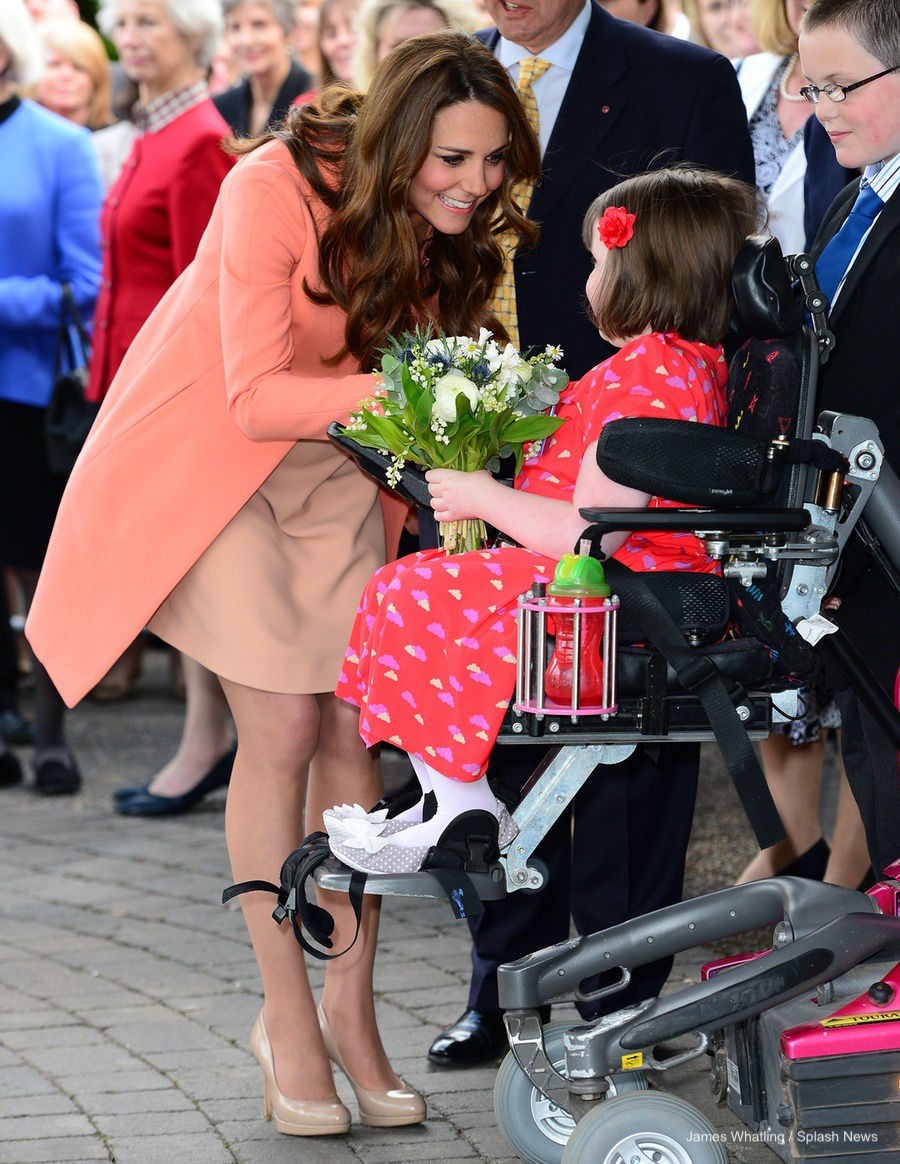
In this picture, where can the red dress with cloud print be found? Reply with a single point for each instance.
(431, 660)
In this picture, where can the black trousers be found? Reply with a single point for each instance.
(874, 777)
(9, 665)
(618, 853)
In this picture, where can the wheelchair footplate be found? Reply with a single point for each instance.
(333, 874)
(463, 867)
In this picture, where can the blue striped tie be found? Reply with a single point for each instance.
(835, 259)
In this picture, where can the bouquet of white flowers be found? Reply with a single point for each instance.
(454, 402)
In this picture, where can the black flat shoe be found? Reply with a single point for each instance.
(477, 1036)
(145, 803)
(53, 777)
(10, 770)
(128, 791)
(14, 729)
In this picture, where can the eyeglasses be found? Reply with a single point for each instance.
(839, 92)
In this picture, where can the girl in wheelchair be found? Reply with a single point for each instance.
(431, 661)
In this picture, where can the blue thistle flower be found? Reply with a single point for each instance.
(481, 372)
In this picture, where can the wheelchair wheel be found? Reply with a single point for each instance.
(645, 1129)
(536, 1129)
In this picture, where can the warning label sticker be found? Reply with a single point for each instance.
(855, 1020)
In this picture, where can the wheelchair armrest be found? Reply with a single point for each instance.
(726, 520)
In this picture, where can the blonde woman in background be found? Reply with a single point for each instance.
(770, 84)
(50, 196)
(381, 25)
(75, 81)
(717, 24)
(76, 84)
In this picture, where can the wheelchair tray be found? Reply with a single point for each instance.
(334, 874)
(411, 486)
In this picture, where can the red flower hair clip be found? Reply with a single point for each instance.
(615, 227)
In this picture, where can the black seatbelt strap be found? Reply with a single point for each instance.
(697, 674)
(292, 900)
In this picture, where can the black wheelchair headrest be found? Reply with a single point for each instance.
(765, 305)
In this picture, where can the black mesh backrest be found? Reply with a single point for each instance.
(698, 603)
(763, 389)
(772, 376)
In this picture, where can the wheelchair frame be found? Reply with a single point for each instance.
(804, 538)
(821, 932)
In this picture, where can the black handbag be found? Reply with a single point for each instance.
(69, 414)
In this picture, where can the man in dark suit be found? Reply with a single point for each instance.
(850, 53)
(613, 99)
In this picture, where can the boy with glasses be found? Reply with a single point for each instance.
(850, 55)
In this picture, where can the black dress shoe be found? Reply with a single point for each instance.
(128, 791)
(14, 729)
(10, 770)
(54, 777)
(477, 1036)
(146, 803)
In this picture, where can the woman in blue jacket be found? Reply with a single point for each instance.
(50, 200)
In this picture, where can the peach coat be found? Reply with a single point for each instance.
(223, 379)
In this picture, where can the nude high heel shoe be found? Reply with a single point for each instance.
(377, 1109)
(295, 1117)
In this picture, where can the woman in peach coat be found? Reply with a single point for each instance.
(209, 505)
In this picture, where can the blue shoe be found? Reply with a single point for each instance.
(129, 791)
(145, 803)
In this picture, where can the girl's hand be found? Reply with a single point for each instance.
(456, 496)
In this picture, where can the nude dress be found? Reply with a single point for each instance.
(207, 501)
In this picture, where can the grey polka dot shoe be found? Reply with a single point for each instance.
(371, 853)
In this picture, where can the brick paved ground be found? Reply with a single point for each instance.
(127, 993)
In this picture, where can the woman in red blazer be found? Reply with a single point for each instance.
(152, 221)
(160, 204)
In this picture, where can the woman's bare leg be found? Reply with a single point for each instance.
(278, 735)
(206, 735)
(344, 770)
(794, 775)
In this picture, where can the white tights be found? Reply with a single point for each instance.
(453, 798)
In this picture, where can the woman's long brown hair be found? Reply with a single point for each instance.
(359, 156)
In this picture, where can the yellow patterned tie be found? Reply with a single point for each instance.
(504, 301)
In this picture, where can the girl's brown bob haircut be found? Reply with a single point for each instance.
(675, 273)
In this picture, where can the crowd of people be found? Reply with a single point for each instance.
(246, 205)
